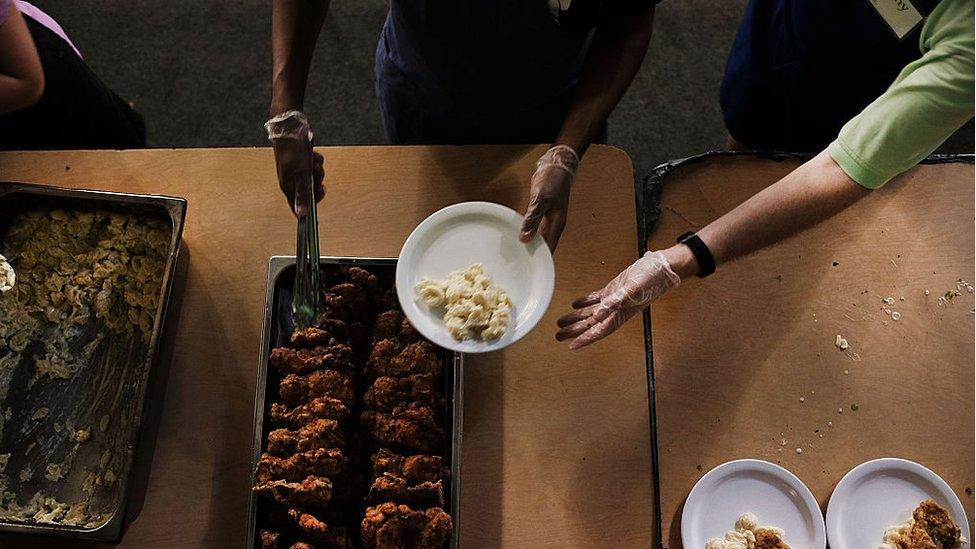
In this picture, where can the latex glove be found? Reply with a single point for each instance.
(549, 195)
(291, 136)
(600, 314)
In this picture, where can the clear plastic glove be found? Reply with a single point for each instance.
(291, 136)
(549, 195)
(600, 314)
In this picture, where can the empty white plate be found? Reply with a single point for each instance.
(882, 493)
(476, 232)
(773, 494)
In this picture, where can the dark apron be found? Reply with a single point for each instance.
(76, 110)
(800, 69)
(475, 71)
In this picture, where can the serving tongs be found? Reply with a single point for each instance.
(306, 302)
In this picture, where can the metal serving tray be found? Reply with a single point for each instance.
(115, 383)
(278, 326)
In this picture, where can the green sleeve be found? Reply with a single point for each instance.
(930, 99)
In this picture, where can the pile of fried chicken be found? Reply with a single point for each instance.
(356, 435)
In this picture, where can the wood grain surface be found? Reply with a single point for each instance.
(556, 444)
(735, 353)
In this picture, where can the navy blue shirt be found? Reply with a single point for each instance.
(800, 69)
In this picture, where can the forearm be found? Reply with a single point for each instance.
(295, 26)
(812, 193)
(21, 75)
(615, 54)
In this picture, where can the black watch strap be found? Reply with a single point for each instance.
(706, 263)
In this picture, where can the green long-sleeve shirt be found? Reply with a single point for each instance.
(931, 98)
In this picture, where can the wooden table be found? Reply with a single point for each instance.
(556, 444)
(735, 353)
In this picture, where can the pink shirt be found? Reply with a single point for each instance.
(37, 15)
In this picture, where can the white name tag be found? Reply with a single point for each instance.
(900, 15)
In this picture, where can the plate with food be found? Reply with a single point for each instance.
(751, 503)
(893, 503)
(468, 284)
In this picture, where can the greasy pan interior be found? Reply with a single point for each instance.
(104, 394)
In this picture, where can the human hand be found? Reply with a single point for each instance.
(600, 313)
(295, 160)
(549, 195)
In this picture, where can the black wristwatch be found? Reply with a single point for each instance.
(706, 263)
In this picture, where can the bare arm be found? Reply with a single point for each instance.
(808, 195)
(21, 75)
(616, 53)
(295, 26)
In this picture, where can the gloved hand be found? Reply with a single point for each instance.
(600, 314)
(291, 137)
(549, 195)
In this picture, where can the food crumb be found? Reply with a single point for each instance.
(846, 372)
(802, 399)
(54, 472)
(840, 410)
(103, 423)
(799, 450)
(888, 300)
(830, 424)
(40, 413)
(855, 407)
(840, 342)
(25, 475)
(926, 292)
(896, 316)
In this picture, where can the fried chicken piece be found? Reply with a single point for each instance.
(337, 307)
(314, 337)
(388, 325)
(317, 408)
(390, 358)
(933, 528)
(391, 526)
(318, 531)
(394, 325)
(296, 389)
(419, 496)
(269, 539)
(364, 279)
(769, 539)
(337, 356)
(320, 433)
(388, 392)
(388, 301)
(414, 469)
(311, 492)
(301, 545)
(356, 297)
(412, 426)
(320, 462)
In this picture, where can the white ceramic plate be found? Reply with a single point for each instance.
(770, 492)
(881, 493)
(476, 232)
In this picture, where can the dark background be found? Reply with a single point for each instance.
(199, 72)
